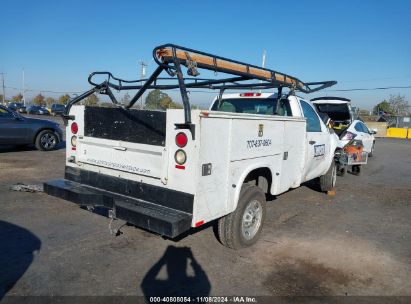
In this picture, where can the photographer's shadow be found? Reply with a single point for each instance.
(178, 282)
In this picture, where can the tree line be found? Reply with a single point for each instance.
(41, 100)
(395, 105)
(156, 99)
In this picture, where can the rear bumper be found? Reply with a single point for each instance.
(156, 215)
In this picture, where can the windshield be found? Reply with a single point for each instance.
(58, 107)
(264, 106)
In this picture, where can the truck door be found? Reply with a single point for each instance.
(317, 143)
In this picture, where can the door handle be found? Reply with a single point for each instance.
(120, 148)
(311, 142)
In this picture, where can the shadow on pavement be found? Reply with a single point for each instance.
(17, 246)
(313, 185)
(16, 148)
(178, 282)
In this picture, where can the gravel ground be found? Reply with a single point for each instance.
(354, 243)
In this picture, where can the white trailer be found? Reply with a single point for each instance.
(175, 170)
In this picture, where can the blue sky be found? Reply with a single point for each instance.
(361, 44)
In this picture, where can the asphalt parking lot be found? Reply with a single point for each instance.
(354, 243)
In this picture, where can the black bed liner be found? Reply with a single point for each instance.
(137, 126)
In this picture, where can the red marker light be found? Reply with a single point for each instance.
(198, 224)
(181, 139)
(250, 94)
(74, 128)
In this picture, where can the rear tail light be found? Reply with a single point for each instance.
(348, 136)
(181, 140)
(250, 94)
(180, 157)
(74, 128)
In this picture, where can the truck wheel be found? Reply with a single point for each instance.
(340, 170)
(371, 154)
(356, 170)
(242, 227)
(46, 140)
(327, 181)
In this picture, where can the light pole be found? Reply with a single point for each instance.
(4, 91)
(23, 90)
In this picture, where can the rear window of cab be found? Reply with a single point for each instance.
(262, 106)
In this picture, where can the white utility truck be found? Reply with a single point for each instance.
(170, 171)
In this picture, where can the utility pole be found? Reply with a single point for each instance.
(264, 53)
(263, 64)
(4, 91)
(143, 74)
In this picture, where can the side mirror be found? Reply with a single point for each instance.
(373, 132)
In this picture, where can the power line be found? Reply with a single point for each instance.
(370, 89)
(374, 79)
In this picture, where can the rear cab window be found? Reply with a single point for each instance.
(264, 106)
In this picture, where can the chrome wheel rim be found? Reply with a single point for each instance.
(48, 141)
(251, 221)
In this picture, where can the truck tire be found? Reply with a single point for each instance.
(340, 170)
(242, 227)
(356, 170)
(327, 181)
(46, 140)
